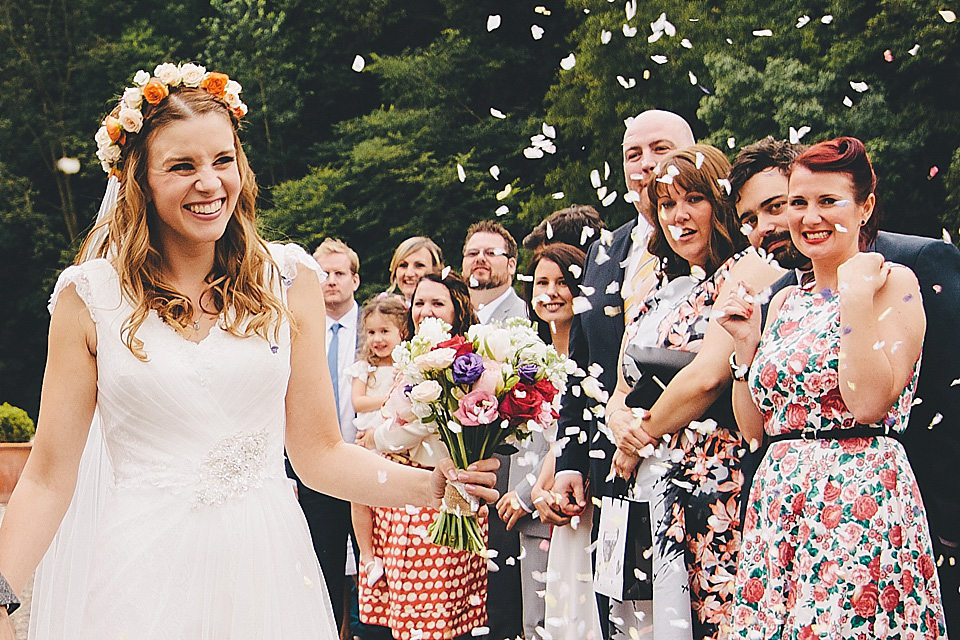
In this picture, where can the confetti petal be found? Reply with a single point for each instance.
(693, 81)
(763, 33)
(502, 210)
(847, 102)
(493, 22)
(659, 59)
(723, 182)
(461, 173)
(686, 44)
(495, 172)
(536, 31)
(948, 16)
(731, 142)
(859, 87)
(558, 195)
(699, 160)
(605, 36)
(548, 130)
(595, 179)
(358, 64)
(934, 170)
(496, 113)
(914, 49)
(568, 63)
(627, 83)
(629, 31)
(507, 190)
(888, 55)
(802, 20)
(827, 19)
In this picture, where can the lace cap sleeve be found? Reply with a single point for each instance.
(359, 369)
(92, 280)
(290, 258)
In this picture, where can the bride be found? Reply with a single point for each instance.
(196, 350)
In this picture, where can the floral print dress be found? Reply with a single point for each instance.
(693, 482)
(835, 543)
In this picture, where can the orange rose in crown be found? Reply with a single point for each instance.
(155, 91)
(215, 83)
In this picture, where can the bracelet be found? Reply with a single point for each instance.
(738, 371)
(8, 598)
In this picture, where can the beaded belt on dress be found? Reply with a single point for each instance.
(809, 433)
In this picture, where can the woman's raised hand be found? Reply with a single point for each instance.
(739, 315)
(861, 276)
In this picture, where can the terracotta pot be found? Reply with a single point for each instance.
(13, 456)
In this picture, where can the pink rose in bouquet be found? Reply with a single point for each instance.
(490, 377)
(476, 408)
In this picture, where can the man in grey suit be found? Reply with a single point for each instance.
(610, 273)
(489, 267)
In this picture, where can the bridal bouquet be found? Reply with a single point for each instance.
(481, 393)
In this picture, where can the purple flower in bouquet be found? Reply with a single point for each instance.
(467, 368)
(477, 408)
(528, 372)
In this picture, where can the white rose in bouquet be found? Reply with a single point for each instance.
(426, 391)
(433, 331)
(435, 359)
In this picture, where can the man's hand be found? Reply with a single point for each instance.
(547, 502)
(624, 464)
(570, 487)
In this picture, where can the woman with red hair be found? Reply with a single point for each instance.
(836, 542)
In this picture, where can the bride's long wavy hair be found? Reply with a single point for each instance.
(244, 276)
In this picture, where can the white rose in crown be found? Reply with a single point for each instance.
(130, 119)
(132, 97)
(102, 137)
(168, 73)
(232, 99)
(436, 359)
(141, 78)
(426, 391)
(109, 153)
(233, 87)
(192, 74)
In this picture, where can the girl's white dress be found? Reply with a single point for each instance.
(192, 531)
(379, 381)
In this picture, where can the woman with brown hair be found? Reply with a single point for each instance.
(687, 469)
(195, 344)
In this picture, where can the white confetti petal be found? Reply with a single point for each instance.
(746, 229)
(558, 195)
(606, 170)
(659, 59)
(381, 477)
(827, 19)
(653, 37)
(575, 270)
(762, 33)
(461, 173)
(693, 81)
(946, 237)
(502, 210)
(731, 142)
(859, 87)
(699, 158)
(609, 199)
(723, 182)
(631, 9)
(840, 228)
(493, 22)
(549, 231)
(629, 31)
(627, 83)
(605, 36)
(802, 20)
(536, 31)
(549, 130)
(507, 190)
(631, 196)
(568, 63)
(495, 172)
(445, 273)
(542, 10)
(948, 16)
(847, 102)
(914, 49)
(595, 179)
(496, 113)
(533, 153)
(581, 304)
(358, 64)
(675, 231)
(686, 44)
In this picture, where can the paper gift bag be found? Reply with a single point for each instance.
(624, 565)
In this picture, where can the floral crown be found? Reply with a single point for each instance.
(112, 134)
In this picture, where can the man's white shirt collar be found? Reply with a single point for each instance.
(485, 313)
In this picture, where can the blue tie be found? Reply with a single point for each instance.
(333, 352)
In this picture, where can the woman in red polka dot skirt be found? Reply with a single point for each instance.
(427, 591)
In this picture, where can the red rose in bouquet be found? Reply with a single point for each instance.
(522, 403)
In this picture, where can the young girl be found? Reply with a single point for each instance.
(383, 321)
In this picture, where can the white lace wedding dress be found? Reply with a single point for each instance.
(184, 526)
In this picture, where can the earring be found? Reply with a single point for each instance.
(863, 222)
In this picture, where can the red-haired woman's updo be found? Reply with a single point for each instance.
(846, 155)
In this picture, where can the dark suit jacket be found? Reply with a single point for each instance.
(933, 453)
(595, 338)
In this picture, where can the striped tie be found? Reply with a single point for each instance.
(640, 285)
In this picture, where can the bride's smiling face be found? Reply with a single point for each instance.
(193, 179)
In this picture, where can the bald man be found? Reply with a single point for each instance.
(620, 272)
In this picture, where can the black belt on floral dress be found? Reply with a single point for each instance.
(809, 433)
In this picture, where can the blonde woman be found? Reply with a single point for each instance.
(200, 348)
(414, 258)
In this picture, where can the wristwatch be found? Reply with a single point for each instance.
(8, 598)
(738, 371)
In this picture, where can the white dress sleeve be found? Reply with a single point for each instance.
(290, 258)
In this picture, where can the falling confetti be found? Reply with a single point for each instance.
(723, 182)
(502, 210)
(629, 31)
(888, 55)
(948, 16)
(627, 83)
(797, 134)
(358, 64)
(946, 237)
(542, 10)
(631, 9)
(693, 81)
(763, 33)
(536, 31)
(461, 174)
(549, 130)
(731, 142)
(496, 113)
(568, 63)
(595, 179)
(493, 22)
(859, 87)
(827, 19)
(659, 59)
(840, 228)
(847, 102)
(802, 20)
(914, 49)
(605, 36)
(558, 195)
(495, 172)
(699, 160)
(507, 190)
(934, 170)
(445, 273)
